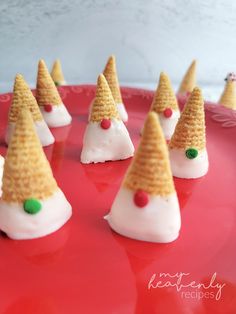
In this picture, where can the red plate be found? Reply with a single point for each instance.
(86, 268)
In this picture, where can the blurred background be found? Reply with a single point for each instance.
(146, 37)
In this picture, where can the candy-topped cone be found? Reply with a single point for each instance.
(32, 205)
(228, 97)
(146, 207)
(49, 100)
(106, 137)
(23, 97)
(110, 74)
(189, 80)
(165, 105)
(57, 74)
(188, 154)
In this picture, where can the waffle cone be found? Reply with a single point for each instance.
(190, 129)
(228, 97)
(103, 106)
(164, 96)
(189, 80)
(150, 168)
(22, 96)
(46, 92)
(56, 73)
(27, 173)
(110, 74)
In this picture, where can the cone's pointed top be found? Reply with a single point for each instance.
(46, 92)
(112, 59)
(27, 173)
(19, 81)
(22, 96)
(150, 168)
(104, 106)
(42, 64)
(189, 80)
(164, 96)
(164, 76)
(18, 77)
(56, 73)
(193, 64)
(190, 129)
(101, 80)
(110, 73)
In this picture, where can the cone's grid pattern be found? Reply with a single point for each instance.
(27, 173)
(110, 74)
(150, 168)
(190, 129)
(23, 97)
(46, 92)
(103, 106)
(164, 96)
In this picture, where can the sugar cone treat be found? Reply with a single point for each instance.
(32, 205)
(110, 74)
(188, 154)
(165, 105)
(23, 97)
(49, 100)
(57, 74)
(189, 80)
(106, 137)
(228, 97)
(146, 207)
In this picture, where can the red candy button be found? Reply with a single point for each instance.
(105, 123)
(47, 108)
(141, 198)
(168, 112)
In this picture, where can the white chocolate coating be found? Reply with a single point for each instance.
(168, 124)
(159, 221)
(101, 145)
(43, 132)
(19, 225)
(59, 116)
(122, 112)
(182, 167)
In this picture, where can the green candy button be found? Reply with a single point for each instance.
(191, 153)
(57, 83)
(32, 206)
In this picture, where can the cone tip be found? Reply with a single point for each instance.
(163, 73)
(152, 115)
(164, 76)
(42, 63)
(19, 81)
(101, 79)
(57, 62)
(18, 76)
(197, 90)
(112, 58)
